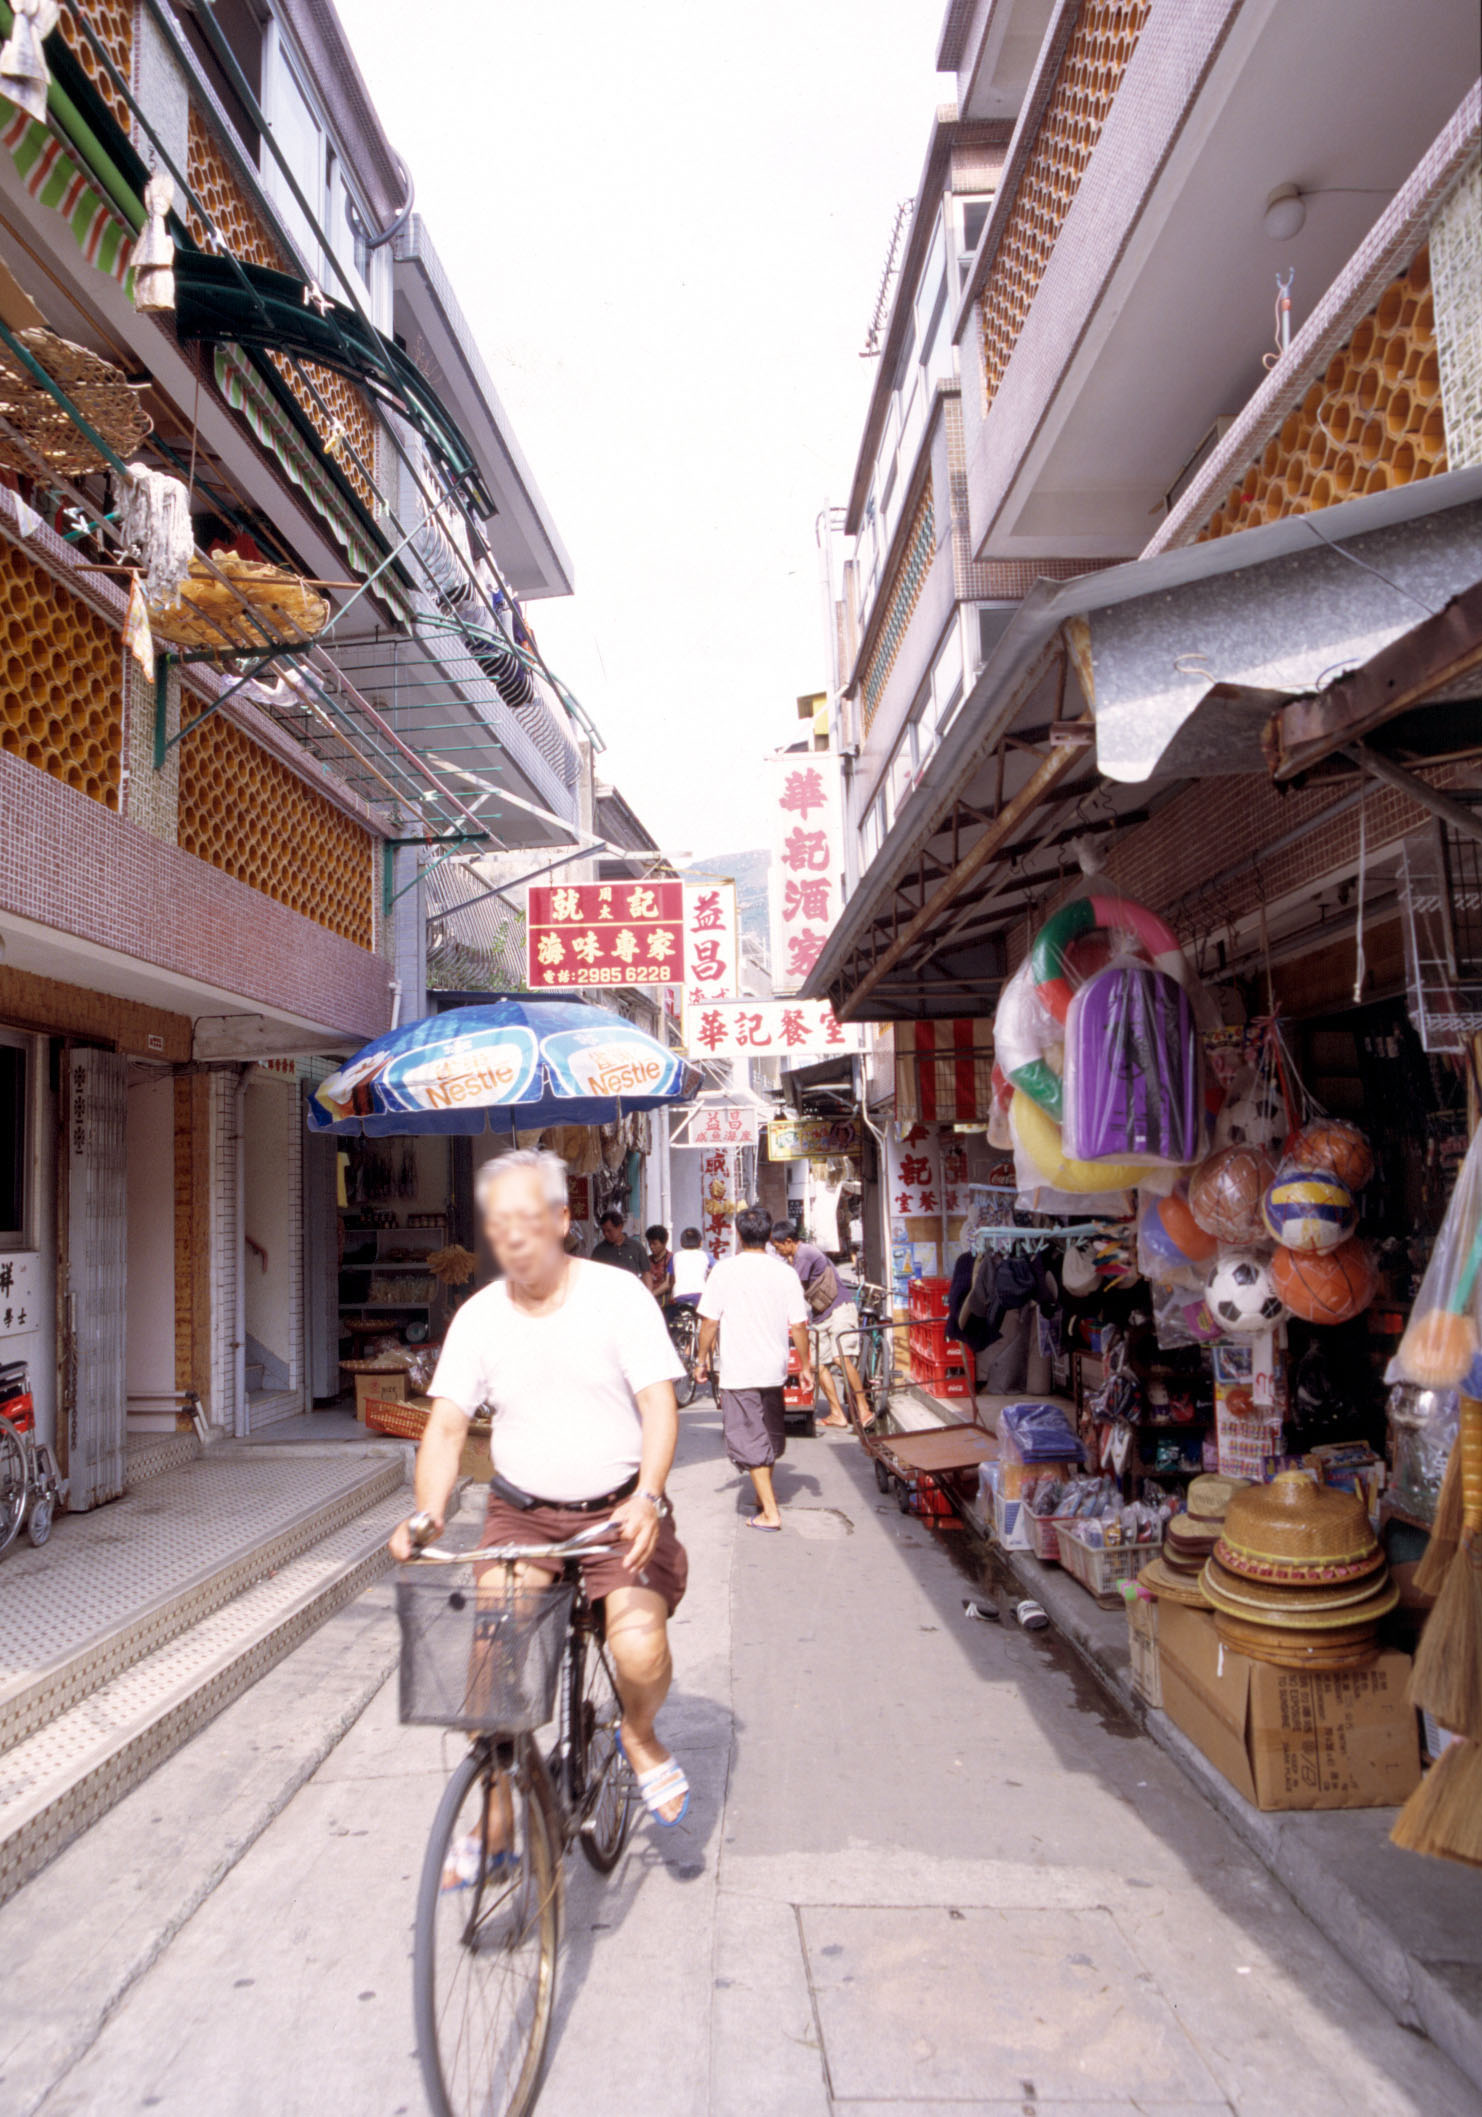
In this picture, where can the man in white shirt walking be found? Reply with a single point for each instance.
(575, 1363)
(759, 1301)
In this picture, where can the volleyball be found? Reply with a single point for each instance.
(1308, 1209)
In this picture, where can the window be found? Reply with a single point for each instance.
(946, 682)
(994, 620)
(15, 1157)
(902, 774)
(973, 219)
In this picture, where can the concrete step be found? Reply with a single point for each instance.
(154, 1564)
(70, 1771)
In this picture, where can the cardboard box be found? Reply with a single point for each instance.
(1289, 1738)
(1142, 1640)
(387, 1388)
(1008, 1523)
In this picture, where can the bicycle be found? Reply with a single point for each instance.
(501, 1662)
(684, 1335)
(874, 1362)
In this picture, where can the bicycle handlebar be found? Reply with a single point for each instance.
(597, 1538)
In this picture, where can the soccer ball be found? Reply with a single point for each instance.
(1242, 1297)
(1251, 1119)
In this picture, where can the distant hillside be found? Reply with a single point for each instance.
(750, 873)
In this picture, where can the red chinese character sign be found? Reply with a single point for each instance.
(805, 883)
(719, 1204)
(712, 947)
(605, 933)
(785, 1029)
(721, 1125)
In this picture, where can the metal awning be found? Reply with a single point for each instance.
(223, 301)
(1109, 693)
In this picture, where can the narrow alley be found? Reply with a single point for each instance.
(929, 1868)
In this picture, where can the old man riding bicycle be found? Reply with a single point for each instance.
(578, 1369)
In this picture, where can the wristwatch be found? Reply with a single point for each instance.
(656, 1500)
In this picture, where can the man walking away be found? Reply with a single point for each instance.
(760, 1303)
(618, 1247)
(835, 1318)
(690, 1265)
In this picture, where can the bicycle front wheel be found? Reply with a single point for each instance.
(484, 1954)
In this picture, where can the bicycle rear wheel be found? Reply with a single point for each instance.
(602, 1786)
(684, 1337)
(484, 1953)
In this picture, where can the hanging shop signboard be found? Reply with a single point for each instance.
(812, 1138)
(720, 1125)
(786, 1029)
(605, 933)
(712, 948)
(805, 883)
(719, 1200)
(927, 1175)
(20, 1293)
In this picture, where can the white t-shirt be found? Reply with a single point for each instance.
(754, 1297)
(562, 1387)
(690, 1267)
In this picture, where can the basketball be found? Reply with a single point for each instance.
(1225, 1194)
(1307, 1209)
(1330, 1144)
(1326, 1286)
(1182, 1231)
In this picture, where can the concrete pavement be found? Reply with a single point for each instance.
(930, 1868)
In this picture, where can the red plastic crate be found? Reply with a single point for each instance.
(792, 1393)
(928, 1298)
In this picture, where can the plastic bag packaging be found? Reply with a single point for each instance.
(1181, 1318)
(1172, 1249)
(1440, 1347)
(1050, 1182)
(1133, 1067)
(1423, 1426)
(1028, 1041)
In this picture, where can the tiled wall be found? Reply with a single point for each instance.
(897, 602)
(1456, 276)
(68, 862)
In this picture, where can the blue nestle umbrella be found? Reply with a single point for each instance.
(515, 1065)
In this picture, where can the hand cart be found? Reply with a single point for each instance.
(924, 1470)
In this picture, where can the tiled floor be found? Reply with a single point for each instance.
(102, 1570)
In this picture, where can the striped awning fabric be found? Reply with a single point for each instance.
(54, 177)
(943, 1072)
(245, 391)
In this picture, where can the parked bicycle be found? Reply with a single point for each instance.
(29, 1483)
(684, 1333)
(873, 1356)
(503, 1660)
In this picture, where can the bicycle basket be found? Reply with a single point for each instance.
(483, 1657)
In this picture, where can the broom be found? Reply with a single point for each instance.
(1430, 1574)
(1443, 1817)
(1447, 1678)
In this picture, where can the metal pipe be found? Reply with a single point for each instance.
(1415, 789)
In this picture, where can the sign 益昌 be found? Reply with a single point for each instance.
(605, 933)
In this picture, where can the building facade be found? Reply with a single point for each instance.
(222, 842)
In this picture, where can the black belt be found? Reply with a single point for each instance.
(516, 1497)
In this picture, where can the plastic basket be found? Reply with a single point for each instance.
(483, 1658)
(1101, 1572)
(1044, 1535)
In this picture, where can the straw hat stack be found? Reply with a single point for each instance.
(1297, 1577)
(1189, 1542)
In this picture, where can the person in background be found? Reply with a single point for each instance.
(688, 1267)
(658, 1273)
(574, 1245)
(761, 1305)
(835, 1318)
(618, 1247)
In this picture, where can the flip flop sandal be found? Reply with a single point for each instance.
(658, 1786)
(755, 1521)
(468, 1864)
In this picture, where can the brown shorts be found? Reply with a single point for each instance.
(666, 1572)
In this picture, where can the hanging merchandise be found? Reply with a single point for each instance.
(1308, 1209)
(1441, 1340)
(153, 257)
(252, 603)
(1172, 1248)
(1326, 1286)
(1242, 1296)
(154, 527)
(1333, 1145)
(1132, 1069)
(1226, 1192)
(1041, 1162)
(24, 76)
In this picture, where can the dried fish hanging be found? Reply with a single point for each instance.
(24, 74)
(153, 255)
(155, 527)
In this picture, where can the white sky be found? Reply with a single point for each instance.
(666, 224)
